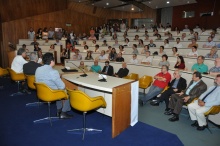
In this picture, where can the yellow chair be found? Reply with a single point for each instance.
(30, 82)
(145, 82)
(18, 78)
(132, 76)
(212, 111)
(82, 102)
(48, 95)
(3, 72)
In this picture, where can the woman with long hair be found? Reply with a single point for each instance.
(180, 63)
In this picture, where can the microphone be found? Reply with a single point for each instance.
(82, 75)
(100, 80)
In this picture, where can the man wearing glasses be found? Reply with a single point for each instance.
(161, 81)
(200, 66)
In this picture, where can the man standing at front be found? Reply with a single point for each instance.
(161, 81)
(203, 104)
(46, 74)
(195, 89)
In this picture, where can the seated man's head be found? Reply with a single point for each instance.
(196, 76)
(22, 52)
(33, 57)
(200, 59)
(147, 53)
(96, 62)
(124, 65)
(48, 59)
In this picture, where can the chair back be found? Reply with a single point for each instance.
(45, 93)
(16, 76)
(3, 72)
(145, 81)
(132, 76)
(82, 102)
(30, 81)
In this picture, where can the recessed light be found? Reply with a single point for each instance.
(149, 2)
(107, 4)
(156, 6)
(132, 9)
(168, 2)
(188, 2)
(93, 4)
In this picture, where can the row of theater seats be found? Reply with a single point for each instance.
(157, 43)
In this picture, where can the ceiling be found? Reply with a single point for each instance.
(126, 5)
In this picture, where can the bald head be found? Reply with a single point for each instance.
(124, 65)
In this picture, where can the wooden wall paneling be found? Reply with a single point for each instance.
(17, 9)
(199, 7)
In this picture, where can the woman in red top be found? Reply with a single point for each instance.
(180, 64)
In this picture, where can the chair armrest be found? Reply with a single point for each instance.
(213, 110)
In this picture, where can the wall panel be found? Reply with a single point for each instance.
(201, 6)
(17, 29)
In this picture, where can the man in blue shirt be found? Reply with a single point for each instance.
(200, 66)
(96, 67)
(51, 77)
(203, 104)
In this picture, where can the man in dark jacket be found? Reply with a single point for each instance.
(108, 69)
(177, 85)
(122, 72)
(195, 88)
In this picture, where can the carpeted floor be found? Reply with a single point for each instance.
(17, 127)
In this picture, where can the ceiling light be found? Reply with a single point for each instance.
(188, 2)
(149, 2)
(156, 7)
(93, 4)
(168, 2)
(107, 4)
(132, 9)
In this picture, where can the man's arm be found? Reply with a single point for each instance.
(57, 80)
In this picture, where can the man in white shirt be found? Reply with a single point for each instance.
(134, 59)
(31, 34)
(203, 104)
(17, 66)
(19, 61)
(178, 44)
(186, 29)
(210, 43)
(148, 59)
